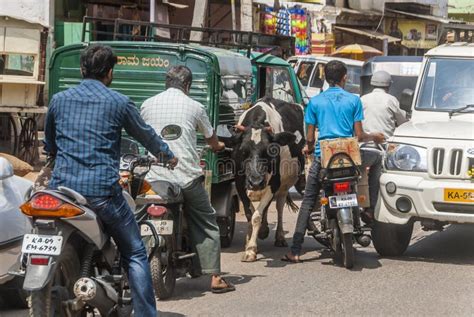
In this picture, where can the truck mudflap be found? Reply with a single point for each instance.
(345, 221)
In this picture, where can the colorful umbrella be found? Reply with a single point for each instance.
(357, 51)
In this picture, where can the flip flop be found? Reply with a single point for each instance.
(287, 259)
(220, 290)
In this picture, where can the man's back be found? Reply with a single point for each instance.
(382, 112)
(174, 107)
(334, 112)
(88, 122)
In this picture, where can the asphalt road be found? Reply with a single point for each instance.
(434, 278)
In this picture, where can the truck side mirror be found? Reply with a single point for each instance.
(406, 99)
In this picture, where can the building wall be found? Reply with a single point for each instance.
(440, 7)
(39, 11)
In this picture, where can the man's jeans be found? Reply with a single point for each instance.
(373, 160)
(311, 194)
(203, 227)
(120, 223)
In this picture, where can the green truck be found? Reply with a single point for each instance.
(226, 82)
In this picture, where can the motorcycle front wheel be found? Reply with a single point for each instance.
(163, 272)
(49, 301)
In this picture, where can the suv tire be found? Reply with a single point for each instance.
(391, 239)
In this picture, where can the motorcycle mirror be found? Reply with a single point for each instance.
(406, 99)
(171, 132)
(224, 131)
(6, 169)
(129, 146)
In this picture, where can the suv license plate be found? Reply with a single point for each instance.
(459, 195)
(162, 227)
(42, 244)
(343, 201)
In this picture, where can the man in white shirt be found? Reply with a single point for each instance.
(175, 108)
(382, 113)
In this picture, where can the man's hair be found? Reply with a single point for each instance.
(179, 77)
(335, 72)
(97, 60)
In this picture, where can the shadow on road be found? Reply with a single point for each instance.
(455, 245)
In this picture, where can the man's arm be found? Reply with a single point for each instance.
(50, 131)
(204, 126)
(310, 140)
(135, 126)
(367, 137)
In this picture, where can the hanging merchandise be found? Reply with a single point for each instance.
(269, 20)
(299, 29)
(283, 22)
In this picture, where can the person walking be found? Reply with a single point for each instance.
(82, 132)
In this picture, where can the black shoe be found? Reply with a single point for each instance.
(300, 184)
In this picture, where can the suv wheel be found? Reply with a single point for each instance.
(391, 239)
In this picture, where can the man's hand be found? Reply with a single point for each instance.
(220, 146)
(171, 164)
(378, 137)
(308, 149)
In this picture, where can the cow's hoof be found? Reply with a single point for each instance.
(249, 256)
(263, 232)
(281, 243)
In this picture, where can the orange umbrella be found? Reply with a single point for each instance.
(357, 51)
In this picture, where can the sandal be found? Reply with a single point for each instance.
(286, 258)
(223, 289)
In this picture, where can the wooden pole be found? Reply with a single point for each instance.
(199, 18)
(232, 5)
(246, 15)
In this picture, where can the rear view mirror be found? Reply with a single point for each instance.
(128, 146)
(6, 169)
(224, 131)
(406, 99)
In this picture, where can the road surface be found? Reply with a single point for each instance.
(435, 278)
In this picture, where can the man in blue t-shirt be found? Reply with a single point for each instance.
(337, 114)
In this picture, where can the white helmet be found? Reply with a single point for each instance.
(381, 79)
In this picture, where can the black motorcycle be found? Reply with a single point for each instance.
(339, 215)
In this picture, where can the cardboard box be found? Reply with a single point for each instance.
(340, 145)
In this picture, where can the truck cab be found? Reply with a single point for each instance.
(429, 164)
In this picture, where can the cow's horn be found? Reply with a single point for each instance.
(268, 129)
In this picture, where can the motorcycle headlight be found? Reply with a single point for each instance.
(404, 157)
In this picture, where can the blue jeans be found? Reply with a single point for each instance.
(120, 223)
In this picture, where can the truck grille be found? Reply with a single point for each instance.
(447, 163)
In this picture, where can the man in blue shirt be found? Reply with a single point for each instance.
(83, 132)
(337, 114)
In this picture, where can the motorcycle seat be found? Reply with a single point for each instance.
(78, 198)
(169, 192)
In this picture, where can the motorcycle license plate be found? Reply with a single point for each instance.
(162, 227)
(42, 244)
(343, 201)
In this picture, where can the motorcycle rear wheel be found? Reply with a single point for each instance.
(347, 250)
(47, 302)
(163, 274)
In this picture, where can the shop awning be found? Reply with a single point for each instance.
(309, 6)
(369, 33)
(424, 16)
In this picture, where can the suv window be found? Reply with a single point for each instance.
(304, 72)
(275, 82)
(447, 84)
(318, 77)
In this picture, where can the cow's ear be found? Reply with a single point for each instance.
(284, 138)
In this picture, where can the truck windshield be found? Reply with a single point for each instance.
(447, 84)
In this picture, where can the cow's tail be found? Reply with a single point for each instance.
(291, 204)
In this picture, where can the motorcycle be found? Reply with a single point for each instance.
(339, 215)
(71, 266)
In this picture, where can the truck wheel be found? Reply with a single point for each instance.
(163, 274)
(229, 225)
(391, 239)
(48, 302)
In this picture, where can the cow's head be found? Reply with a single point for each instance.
(257, 151)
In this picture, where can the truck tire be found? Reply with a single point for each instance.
(42, 302)
(391, 239)
(229, 223)
(163, 275)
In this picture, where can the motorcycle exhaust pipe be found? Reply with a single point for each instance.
(364, 240)
(96, 294)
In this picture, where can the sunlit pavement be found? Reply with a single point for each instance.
(435, 277)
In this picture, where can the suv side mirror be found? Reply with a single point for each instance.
(406, 99)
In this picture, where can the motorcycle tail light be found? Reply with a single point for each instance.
(48, 206)
(343, 187)
(156, 210)
(39, 260)
(324, 201)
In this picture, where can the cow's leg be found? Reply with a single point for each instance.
(250, 254)
(248, 206)
(279, 234)
(264, 230)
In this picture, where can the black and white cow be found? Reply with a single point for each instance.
(267, 152)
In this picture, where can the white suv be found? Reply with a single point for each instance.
(429, 165)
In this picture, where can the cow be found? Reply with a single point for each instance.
(268, 143)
